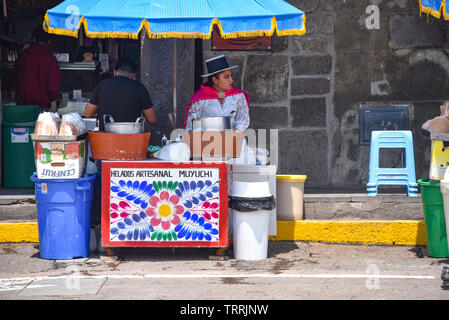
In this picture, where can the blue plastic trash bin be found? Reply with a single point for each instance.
(63, 216)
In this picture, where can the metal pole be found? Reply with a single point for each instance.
(174, 85)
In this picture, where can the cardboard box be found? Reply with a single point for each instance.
(60, 159)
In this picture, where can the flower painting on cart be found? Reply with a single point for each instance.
(164, 205)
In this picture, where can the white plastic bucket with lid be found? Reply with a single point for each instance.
(245, 189)
(290, 197)
(250, 229)
(444, 187)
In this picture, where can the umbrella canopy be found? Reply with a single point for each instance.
(434, 8)
(175, 18)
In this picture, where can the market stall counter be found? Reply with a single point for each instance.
(153, 203)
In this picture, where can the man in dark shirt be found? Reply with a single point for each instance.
(123, 97)
(35, 75)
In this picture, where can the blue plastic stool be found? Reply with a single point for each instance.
(392, 176)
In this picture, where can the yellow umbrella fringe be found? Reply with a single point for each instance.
(445, 15)
(432, 12)
(83, 22)
(197, 35)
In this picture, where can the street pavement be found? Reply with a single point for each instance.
(292, 271)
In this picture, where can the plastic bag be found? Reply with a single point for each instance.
(251, 204)
(252, 156)
(47, 123)
(72, 125)
(91, 168)
(440, 123)
(176, 151)
(260, 156)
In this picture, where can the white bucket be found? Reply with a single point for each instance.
(245, 189)
(250, 232)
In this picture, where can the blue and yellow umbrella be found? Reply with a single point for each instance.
(434, 8)
(175, 18)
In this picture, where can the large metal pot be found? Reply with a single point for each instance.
(123, 127)
(212, 124)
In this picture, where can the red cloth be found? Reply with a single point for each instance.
(35, 76)
(205, 93)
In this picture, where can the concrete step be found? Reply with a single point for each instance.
(329, 217)
(17, 205)
(359, 206)
(20, 205)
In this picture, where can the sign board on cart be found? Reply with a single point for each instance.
(164, 204)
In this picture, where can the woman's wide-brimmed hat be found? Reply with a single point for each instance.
(216, 65)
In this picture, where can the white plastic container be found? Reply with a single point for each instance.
(246, 189)
(290, 197)
(253, 173)
(250, 229)
(444, 187)
(250, 232)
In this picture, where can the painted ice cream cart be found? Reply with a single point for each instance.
(151, 203)
(164, 204)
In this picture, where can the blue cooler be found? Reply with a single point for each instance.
(63, 216)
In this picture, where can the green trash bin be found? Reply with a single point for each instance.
(433, 205)
(18, 164)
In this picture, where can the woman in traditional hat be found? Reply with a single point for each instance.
(217, 97)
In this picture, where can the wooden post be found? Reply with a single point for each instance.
(5, 11)
(175, 102)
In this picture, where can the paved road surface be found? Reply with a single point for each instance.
(293, 271)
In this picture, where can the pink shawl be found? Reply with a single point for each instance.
(205, 93)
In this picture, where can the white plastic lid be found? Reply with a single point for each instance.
(245, 189)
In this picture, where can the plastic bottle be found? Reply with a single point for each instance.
(164, 140)
(13, 98)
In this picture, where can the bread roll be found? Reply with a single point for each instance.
(68, 128)
(72, 125)
(46, 124)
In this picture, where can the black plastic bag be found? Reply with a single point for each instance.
(251, 204)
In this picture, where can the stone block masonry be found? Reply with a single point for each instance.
(342, 63)
(291, 90)
(311, 87)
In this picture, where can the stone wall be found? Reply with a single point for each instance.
(310, 88)
(157, 65)
(291, 89)
(401, 60)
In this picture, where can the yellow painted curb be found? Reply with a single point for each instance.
(19, 232)
(400, 232)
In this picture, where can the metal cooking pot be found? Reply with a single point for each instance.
(123, 127)
(212, 124)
